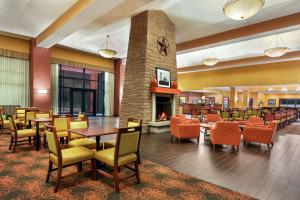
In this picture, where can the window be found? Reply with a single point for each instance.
(14, 81)
(289, 103)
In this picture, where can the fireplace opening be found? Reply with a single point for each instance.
(163, 108)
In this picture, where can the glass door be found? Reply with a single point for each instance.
(82, 100)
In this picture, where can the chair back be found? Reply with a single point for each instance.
(213, 117)
(12, 125)
(53, 142)
(29, 116)
(128, 141)
(78, 124)
(20, 113)
(1, 117)
(226, 133)
(255, 120)
(132, 122)
(60, 123)
(42, 115)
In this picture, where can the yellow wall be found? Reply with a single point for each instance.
(265, 74)
(14, 44)
(279, 96)
(81, 57)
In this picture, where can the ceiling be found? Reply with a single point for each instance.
(31, 17)
(269, 89)
(192, 18)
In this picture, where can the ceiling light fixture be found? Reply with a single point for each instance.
(284, 89)
(210, 61)
(242, 9)
(270, 89)
(278, 50)
(107, 52)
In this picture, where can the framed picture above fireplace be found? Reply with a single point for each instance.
(163, 77)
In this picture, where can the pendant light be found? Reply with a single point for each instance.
(242, 9)
(107, 52)
(210, 61)
(277, 50)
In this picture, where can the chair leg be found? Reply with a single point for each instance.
(137, 171)
(59, 172)
(15, 145)
(172, 138)
(272, 144)
(269, 147)
(11, 142)
(93, 165)
(29, 140)
(45, 141)
(49, 171)
(116, 179)
(198, 139)
(79, 167)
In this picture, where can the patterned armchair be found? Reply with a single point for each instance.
(184, 129)
(213, 118)
(227, 133)
(255, 121)
(264, 134)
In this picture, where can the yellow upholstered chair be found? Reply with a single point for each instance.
(20, 116)
(75, 140)
(124, 153)
(130, 123)
(3, 122)
(29, 116)
(61, 125)
(62, 158)
(17, 136)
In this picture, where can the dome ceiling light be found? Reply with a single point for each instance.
(277, 50)
(107, 52)
(242, 9)
(211, 61)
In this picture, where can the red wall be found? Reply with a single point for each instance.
(120, 65)
(40, 77)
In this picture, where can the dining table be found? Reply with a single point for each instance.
(96, 132)
(37, 122)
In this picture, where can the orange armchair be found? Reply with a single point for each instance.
(260, 134)
(255, 121)
(213, 118)
(227, 133)
(183, 129)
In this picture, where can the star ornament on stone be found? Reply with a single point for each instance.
(163, 46)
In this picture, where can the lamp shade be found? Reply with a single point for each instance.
(210, 61)
(242, 9)
(107, 53)
(276, 51)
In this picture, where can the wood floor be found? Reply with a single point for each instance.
(254, 170)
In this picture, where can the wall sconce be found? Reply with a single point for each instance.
(42, 91)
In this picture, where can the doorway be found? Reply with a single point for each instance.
(82, 100)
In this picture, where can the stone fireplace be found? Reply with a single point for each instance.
(144, 56)
(162, 103)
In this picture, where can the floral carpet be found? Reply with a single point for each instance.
(22, 176)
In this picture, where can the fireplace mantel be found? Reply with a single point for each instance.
(164, 90)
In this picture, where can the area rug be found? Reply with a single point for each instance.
(22, 176)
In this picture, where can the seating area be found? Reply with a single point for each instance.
(150, 99)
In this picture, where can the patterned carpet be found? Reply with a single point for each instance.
(22, 176)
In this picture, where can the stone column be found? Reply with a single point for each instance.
(245, 98)
(142, 59)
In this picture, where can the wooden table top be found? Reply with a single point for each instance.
(95, 131)
(42, 120)
(208, 125)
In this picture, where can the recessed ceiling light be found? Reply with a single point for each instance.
(270, 89)
(284, 89)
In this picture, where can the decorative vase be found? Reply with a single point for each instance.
(174, 85)
(153, 82)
